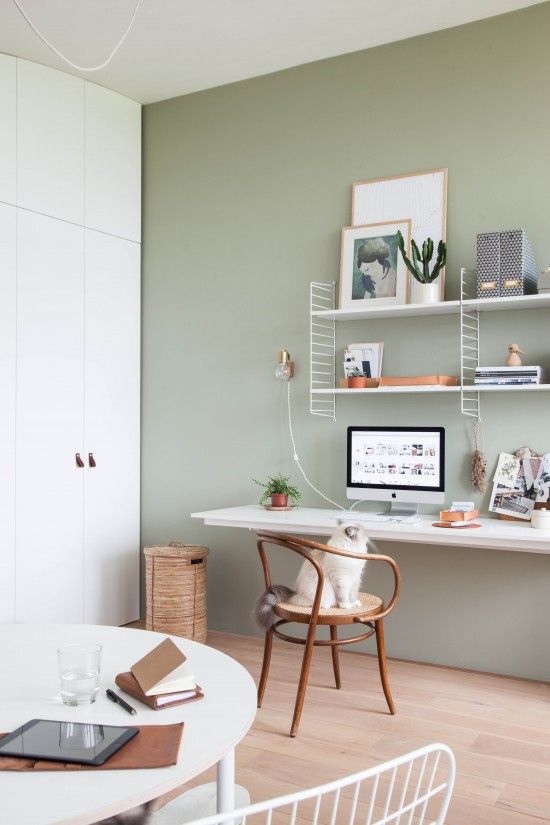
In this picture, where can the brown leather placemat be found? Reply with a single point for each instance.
(155, 746)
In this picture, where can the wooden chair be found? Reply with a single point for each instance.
(371, 614)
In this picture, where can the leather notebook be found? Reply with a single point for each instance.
(129, 684)
(155, 746)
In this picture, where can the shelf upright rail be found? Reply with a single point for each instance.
(469, 345)
(322, 347)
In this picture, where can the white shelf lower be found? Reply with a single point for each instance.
(417, 388)
(516, 388)
(423, 388)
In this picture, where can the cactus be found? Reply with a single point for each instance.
(419, 267)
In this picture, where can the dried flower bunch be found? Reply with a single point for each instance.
(479, 463)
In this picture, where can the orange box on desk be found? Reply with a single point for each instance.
(458, 515)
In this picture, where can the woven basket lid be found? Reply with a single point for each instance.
(176, 550)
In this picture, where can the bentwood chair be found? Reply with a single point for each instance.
(414, 788)
(370, 614)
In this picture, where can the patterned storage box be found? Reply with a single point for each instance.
(505, 264)
(518, 272)
(488, 265)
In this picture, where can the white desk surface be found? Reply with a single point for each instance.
(29, 689)
(494, 533)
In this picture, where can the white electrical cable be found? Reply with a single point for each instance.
(297, 460)
(66, 59)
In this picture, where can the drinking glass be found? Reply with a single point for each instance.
(79, 673)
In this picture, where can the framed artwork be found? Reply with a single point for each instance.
(420, 195)
(365, 357)
(372, 271)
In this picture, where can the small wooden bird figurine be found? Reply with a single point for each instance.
(514, 359)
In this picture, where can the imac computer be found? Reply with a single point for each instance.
(402, 465)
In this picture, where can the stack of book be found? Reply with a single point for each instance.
(161, 679)
(509, 376)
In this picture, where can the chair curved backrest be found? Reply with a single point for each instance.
(413, 789)
(303, 546)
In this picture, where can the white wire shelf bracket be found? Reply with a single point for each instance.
(470, 403)
(322, 348)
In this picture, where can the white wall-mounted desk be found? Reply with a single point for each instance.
(494, 534)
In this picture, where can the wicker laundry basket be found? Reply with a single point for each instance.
(175, 583)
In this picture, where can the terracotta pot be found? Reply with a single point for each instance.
(279, 500)
(357, 382)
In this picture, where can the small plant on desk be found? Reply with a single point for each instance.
(279, 490)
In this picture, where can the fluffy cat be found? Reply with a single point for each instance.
(341, 582)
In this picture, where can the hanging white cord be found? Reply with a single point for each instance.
(66, 59)
(297, 460)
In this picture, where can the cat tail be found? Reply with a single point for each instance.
(264, 615)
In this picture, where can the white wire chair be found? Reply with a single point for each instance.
(403, 791)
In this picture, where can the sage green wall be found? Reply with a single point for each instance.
(246, 189)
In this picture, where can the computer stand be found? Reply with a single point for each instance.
(402, 510)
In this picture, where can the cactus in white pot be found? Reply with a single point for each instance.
(426, 283)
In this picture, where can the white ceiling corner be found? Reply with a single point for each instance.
(179, 46)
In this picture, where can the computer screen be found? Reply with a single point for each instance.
(397, 458)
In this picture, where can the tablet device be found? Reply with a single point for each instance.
(86, 744)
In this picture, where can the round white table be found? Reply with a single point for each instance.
(29, 689)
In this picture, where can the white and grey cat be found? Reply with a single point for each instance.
(342, 577)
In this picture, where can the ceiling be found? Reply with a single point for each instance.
(179, 46)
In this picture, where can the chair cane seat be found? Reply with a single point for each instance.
(370, 606)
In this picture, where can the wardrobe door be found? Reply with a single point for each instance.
(50, 393)
(50, 142)
(112, 420)
(113, 163)
(7, 413)
(7, 127)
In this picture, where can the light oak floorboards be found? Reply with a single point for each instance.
(498, 727)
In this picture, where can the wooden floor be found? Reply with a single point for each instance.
(498, 727)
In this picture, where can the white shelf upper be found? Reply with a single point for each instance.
(541, 301)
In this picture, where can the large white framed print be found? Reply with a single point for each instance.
(421, 196)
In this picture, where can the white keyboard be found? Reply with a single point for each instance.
(364, 517)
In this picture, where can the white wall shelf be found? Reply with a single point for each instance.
(391, 311)
(323, 317)
(416, 388)
(541, 301)
(424, 388)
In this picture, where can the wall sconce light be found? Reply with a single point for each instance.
(285, 367)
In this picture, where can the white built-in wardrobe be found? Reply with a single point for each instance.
(70, 205)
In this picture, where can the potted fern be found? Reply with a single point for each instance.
(279, 490)
(425, 282)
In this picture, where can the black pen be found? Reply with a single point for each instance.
(114, 697)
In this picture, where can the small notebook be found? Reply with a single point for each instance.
(128, 683)
(163, 670)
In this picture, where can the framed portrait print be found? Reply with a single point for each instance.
(372, 271)
(420, 195)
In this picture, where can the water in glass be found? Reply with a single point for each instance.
(79, 673)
